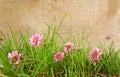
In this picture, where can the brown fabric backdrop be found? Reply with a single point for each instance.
(100, 19)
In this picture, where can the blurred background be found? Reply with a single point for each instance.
(99, 19)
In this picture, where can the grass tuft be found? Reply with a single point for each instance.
(38, 61)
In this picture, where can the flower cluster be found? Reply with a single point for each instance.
(60, 55)
(36, 40)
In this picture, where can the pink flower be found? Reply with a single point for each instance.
(95, 55)
(14, 57)
(67, 47)
(36, 40)
(66, 50)
(58, 56)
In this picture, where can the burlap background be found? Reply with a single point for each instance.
(100, 19)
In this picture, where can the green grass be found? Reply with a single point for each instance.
(38, 61)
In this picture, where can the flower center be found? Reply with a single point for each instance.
(14, 60)
(95, 56)
(35, 40)
(58, 56)
(68, 47)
